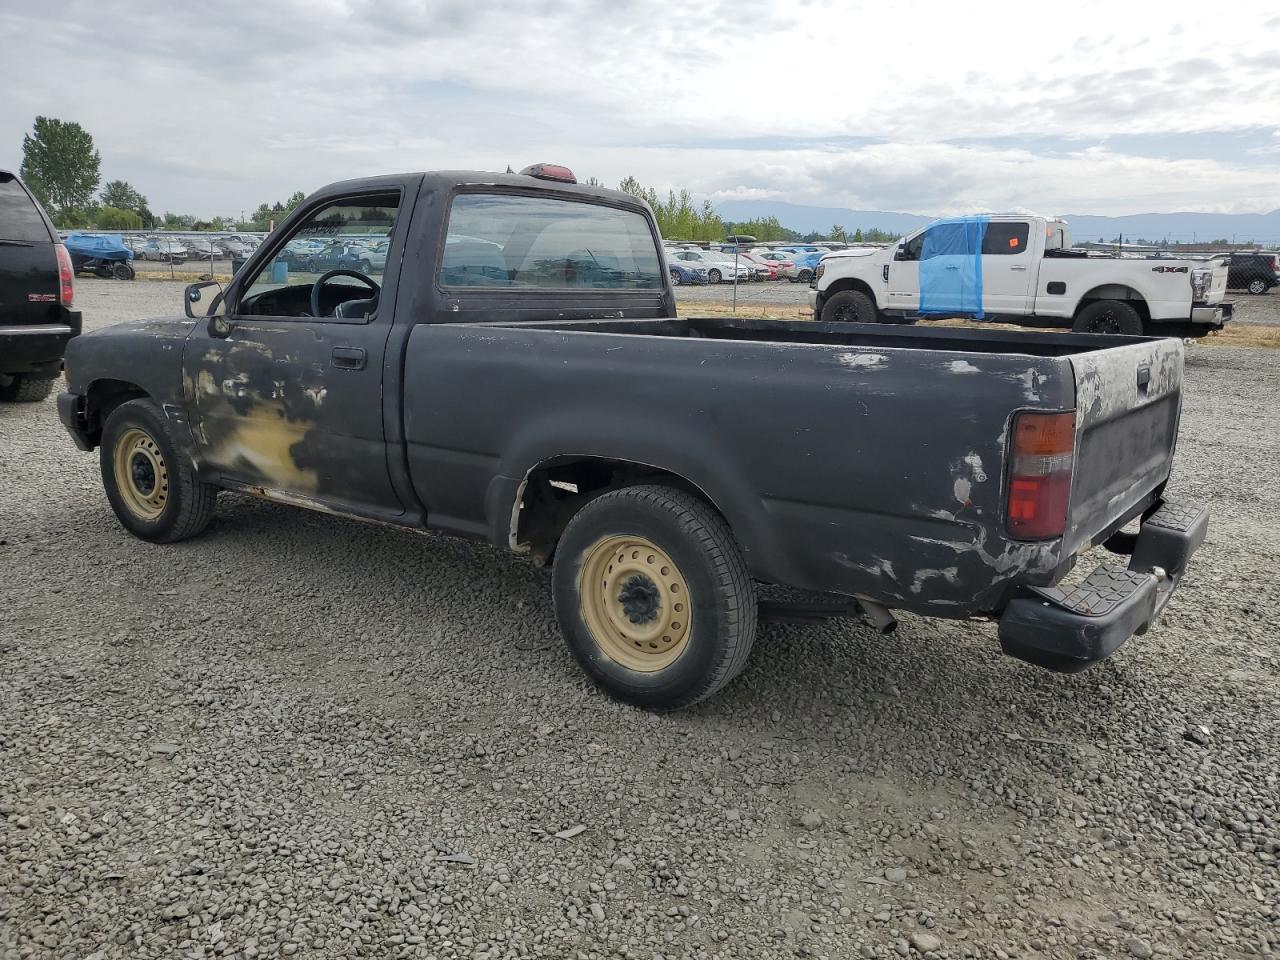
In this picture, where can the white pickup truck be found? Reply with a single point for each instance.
(1023, 270)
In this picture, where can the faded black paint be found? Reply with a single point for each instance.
(856, 460)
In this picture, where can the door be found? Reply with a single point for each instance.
(904, 275)
(291, 400)
(1006, 267)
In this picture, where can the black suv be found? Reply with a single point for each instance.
(36, 319)
(1255, 272)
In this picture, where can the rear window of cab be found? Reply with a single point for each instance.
(513, 242)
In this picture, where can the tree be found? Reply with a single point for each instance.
(179, 221)
(121, 195)
(857, 235)
(838, 234)
(61, 166)
(114, 218)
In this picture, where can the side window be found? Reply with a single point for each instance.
(911, 249)
(348, 234)
(20, 219)
(513, 241)
(1005, 238)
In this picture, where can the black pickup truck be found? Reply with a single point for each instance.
(517, 373)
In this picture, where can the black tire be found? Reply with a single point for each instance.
(26, 388)
(1258, 287)
(675, 279)
(121, 271)
(1108, 316)
(188, 504)
(714, 275)
(804, 276)
(850, 306)
(721, 620)
(366, 267)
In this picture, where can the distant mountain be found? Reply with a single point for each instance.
(1263, 228)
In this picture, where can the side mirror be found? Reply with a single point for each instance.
(219, 326)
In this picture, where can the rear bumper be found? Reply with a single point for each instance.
(1071, 630)
(36, 347)
(1213, 316)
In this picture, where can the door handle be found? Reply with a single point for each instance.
(1018, 267)
(348, 358)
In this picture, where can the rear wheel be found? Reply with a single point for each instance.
(25, 388)
(653, 596)
(152, 487)
(804, 276)
(122, 271)
(850, 306)
(1258, 287)
(1108, 316)
(675, 279)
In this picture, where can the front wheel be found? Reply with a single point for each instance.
(151, 486)
(675, 279)
(1258, 287)
(653, 597)
(850, 306)
(1108, 316)
(122, 271)
(714, 275)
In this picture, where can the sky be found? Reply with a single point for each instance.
(935, 108)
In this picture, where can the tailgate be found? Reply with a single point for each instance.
(1128, 399)
(1218, 286)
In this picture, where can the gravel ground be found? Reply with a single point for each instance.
(304, 736)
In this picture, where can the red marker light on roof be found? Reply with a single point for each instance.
(549, 171)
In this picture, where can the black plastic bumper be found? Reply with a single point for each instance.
(1069, 630)
(37, 347)
(71, 413)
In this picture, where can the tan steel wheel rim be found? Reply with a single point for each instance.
(635, 602)
(141, 475)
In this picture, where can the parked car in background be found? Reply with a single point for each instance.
(686, 273)
(775, 257)
(718, 268)
(1255, 272)
(764, 269)
(803, 266)
(232, 247)
(164, 250)
(36, 316)
(198, 249)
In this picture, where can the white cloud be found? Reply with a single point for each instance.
(214, 109)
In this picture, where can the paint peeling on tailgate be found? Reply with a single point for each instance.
(1128, 399)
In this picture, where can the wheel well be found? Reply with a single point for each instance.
(558, 488)
(1116, 291)
(103, 397)
(849, 283)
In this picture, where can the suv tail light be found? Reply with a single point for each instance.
(1044, 447)
(66, 290)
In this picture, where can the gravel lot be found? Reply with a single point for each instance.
(302, 736)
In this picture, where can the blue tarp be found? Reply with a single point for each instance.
(103, 246)
(951, 267)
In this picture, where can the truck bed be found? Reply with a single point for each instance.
(865, 460)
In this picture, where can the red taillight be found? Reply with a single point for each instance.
(549, 171)
(1043, 453)
(66, 291)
